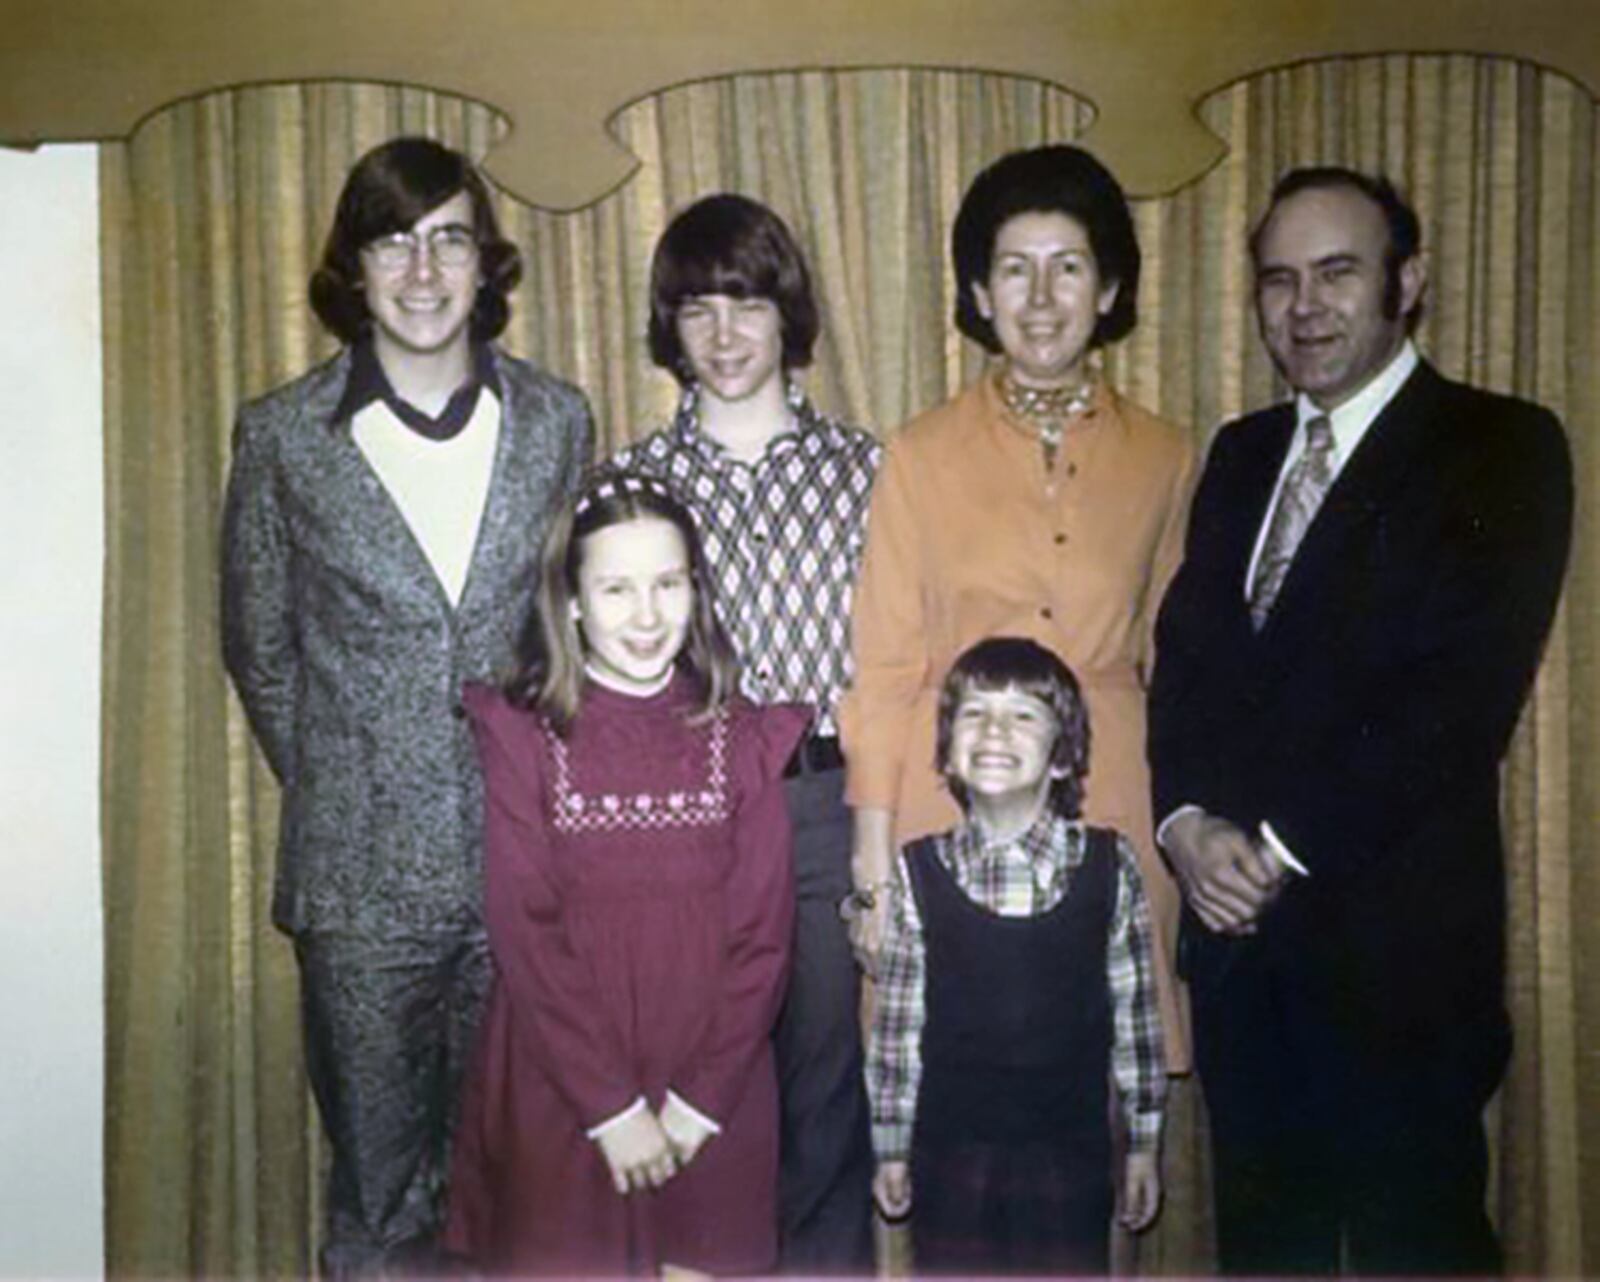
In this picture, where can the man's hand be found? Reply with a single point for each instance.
(1227, 880)
(1141, 1191)
(685, 1131)
(891, 1190)
(638, 1152)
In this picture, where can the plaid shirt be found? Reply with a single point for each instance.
(1018, 878)
(783, 537)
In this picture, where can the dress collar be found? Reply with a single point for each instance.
(680, 689)
(1099, 406)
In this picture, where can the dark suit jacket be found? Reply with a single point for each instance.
(349, 658)
(1368, 718)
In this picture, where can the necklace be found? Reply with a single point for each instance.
(1047, 410)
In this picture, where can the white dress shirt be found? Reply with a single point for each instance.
(1349, 421)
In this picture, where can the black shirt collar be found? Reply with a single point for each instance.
(368, 383)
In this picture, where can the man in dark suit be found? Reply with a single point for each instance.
(1370, 574)
(380, 546)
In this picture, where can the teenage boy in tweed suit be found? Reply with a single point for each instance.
(381, 534)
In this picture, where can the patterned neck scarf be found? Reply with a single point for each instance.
(1047, 410)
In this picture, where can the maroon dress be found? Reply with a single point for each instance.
(639, 902)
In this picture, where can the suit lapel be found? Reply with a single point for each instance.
(1249, 491)
(1259, 478)
(513, 457)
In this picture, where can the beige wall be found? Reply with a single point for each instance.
(51, 547)
(560, 71)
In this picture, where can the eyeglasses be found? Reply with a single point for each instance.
(449, 245)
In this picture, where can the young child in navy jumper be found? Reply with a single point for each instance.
(622, 1113)
(1014, 991)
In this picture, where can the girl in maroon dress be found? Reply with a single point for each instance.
(621, 1114)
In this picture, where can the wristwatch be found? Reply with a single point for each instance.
(861, 899)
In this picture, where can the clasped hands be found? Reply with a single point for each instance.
(1226, 876)
(646, 1149)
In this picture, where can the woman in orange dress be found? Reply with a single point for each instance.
(1037, 503)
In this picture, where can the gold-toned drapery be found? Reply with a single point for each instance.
(213, 215)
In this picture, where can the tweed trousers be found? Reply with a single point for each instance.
(389, 1024)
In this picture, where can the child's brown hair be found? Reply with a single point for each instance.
(553, 673)
(998, 663)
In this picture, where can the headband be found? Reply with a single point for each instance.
(615, 485)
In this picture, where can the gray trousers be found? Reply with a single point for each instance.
(389, 1024)
(825, 1145)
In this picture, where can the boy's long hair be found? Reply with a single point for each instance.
(729, 244)
(390, 188)
(999, 663)
(551, 678)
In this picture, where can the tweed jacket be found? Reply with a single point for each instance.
(349, 657)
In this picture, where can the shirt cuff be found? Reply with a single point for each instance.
(891, 1141)
(633, 1110)
(674, 1098)
(1162, 828)
(1144, 1131)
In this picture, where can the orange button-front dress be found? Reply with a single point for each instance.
(971, 536)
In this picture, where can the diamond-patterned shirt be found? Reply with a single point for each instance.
(783, 537)
(1018, 878)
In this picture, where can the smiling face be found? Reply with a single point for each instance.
(734, 346)
(1044, 297)
(635, 594)
(1001, 743)
(1321, 280)
(421, 307)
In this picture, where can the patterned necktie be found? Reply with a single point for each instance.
(1303, 487)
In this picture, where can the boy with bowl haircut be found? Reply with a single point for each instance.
(1015, 982)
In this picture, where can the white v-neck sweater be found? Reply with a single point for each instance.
(440, 487)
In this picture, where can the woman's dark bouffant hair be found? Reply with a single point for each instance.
(728, 244)
(1057, 179)
(392, 186)
(551, 679)
(1000, 663)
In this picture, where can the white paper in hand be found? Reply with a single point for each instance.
(1280, 852)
